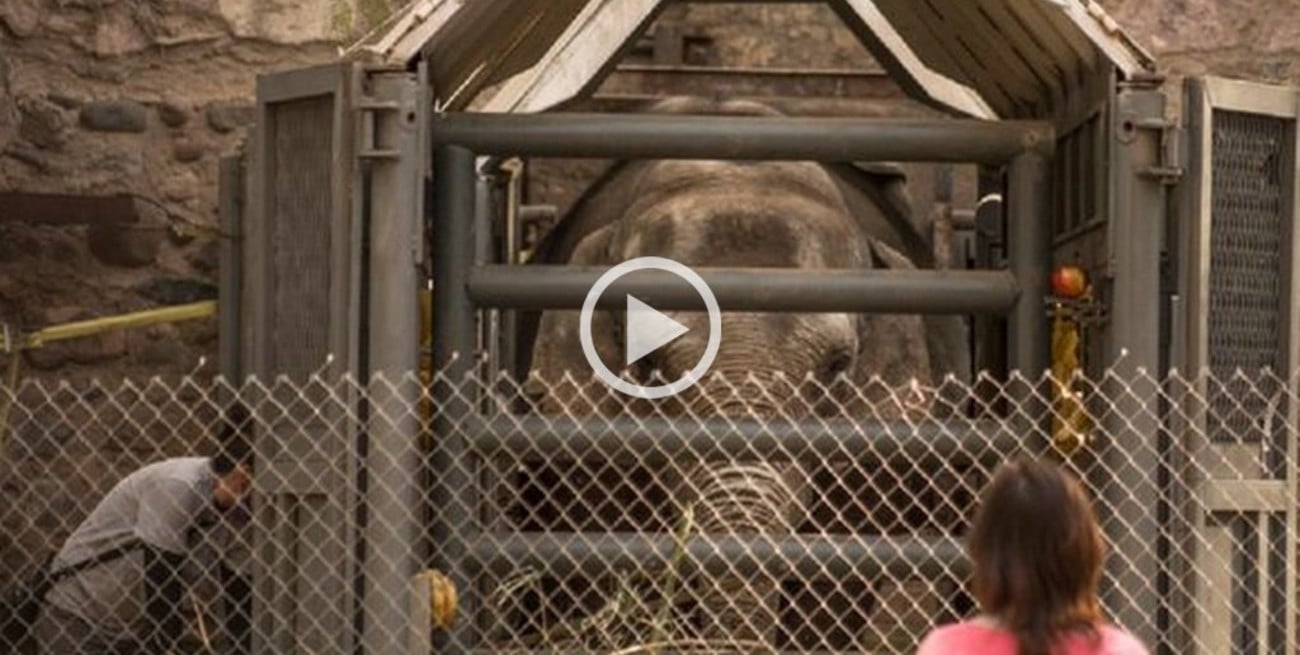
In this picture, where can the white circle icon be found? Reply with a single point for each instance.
(648, 329)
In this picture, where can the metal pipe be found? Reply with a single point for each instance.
(659, 440)
(805, 557)
(94, 326)
(765, 289)
(1029, 258)
(454, 341)
(1029, 254)
(656, 136)
(392, 463)
(230, 297)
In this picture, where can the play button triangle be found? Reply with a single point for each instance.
(648, 329)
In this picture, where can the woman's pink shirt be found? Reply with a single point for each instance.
(977, 638)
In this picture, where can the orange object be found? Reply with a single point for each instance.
(1069, 282)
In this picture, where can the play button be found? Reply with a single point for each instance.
(648, 329)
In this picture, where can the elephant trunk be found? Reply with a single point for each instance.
(735, 497)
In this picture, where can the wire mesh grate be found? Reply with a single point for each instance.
(700, 529)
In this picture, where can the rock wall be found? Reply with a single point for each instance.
(102, 97)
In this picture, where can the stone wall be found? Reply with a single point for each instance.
(102, 97)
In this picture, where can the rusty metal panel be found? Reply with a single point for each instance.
(300, 303)
(1249, 165)
(302, 157)
(1237, 244)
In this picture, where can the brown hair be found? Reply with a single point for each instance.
(1037, 553)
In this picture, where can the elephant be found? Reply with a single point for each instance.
(801, 215)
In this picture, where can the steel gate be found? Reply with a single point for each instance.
(465, 427)
(328, 297)
(1240, 313)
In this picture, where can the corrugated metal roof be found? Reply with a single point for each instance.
(987, 58)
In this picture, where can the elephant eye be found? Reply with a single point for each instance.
(835, 364)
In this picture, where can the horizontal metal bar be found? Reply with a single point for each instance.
(807, 557)
(662, 136)
(1244, 496)
(657, 440)
(753, 289)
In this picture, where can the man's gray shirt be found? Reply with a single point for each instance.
(157, 505)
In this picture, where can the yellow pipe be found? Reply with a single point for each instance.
(135, 319)
(87, 328)
(7, 403)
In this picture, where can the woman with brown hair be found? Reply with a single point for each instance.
(1037, 553)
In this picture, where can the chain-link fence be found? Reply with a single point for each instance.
(763, 514)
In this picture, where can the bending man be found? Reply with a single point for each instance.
(149, 525)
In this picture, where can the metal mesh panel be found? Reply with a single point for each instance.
(1248, 228)
(302, 158)
(1078, 154)
(699, 529)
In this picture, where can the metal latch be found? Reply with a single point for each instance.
(369, 150)
(1170, 169)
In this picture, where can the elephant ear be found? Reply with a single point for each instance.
(557, 351)
(892, 350)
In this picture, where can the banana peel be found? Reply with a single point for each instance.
(1071, 424)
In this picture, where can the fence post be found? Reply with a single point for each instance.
(391, 459)
(1028, 256)
(1132, 453)
(454, 341)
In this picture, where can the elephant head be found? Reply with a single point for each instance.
(799, 215)
(754, 215)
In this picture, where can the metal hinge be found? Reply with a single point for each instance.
(1170, 169)
(369, 108)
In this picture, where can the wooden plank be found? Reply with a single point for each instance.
(575, 59)
(66, 209)
(1055, 30)
(1075, 22)
(921, 25)
(964, 50)
(1045, 58)
(751, 82)
(993, 48)
(888, 46)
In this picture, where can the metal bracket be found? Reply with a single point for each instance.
(368, 150)
(1170, 169)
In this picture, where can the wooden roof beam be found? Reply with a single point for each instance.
(66, 209)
